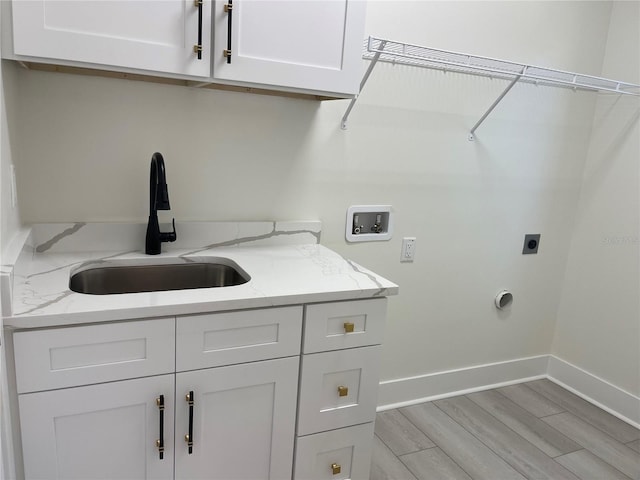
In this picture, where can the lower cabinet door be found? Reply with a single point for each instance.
(237, 422)
(336, 455)
(105, 431)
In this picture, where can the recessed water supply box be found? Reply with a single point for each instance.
(369, 223)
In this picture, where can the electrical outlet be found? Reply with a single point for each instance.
(408, 249)
(531, 243)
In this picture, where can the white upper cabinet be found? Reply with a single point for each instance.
(305, 44)
(152, 35)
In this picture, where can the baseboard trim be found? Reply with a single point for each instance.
(404, 392)
(596, 390)
(434, 386)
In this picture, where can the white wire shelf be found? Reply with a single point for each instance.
(377, 49)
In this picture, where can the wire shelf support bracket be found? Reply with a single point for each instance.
(494, 105)
(379, 50)
(374, 60)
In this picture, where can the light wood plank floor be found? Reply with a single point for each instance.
(534, 430)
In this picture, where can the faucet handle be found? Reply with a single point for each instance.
(169, 236)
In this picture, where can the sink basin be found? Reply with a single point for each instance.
(106, 278)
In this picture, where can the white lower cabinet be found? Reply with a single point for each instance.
(106, 431)
(338, 389)
(242, 421)
(219, 396)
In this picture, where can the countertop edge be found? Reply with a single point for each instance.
(25, 322)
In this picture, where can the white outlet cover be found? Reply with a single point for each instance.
(408, 249)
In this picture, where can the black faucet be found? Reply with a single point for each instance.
(159, 200)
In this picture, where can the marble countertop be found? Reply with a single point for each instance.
(283, 271)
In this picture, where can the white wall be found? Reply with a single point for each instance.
(84, 147)
(9, 226)
(10, 218)
(599, 316)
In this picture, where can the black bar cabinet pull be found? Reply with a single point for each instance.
(229, 9)
(189, 437)
(198, 48)
(160, 442)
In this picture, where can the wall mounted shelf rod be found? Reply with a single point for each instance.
(377, 49)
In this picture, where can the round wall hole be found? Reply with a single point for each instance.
(504, 299)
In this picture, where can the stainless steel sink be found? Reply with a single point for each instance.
(105, 278)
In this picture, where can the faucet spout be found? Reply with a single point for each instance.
(158, 200)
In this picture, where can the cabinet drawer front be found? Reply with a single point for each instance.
(237, 337)
(333, 326)
(65, 357)
(338, 389)
(346, 451)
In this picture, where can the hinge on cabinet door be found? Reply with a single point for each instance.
(197, 49)
(228, 7)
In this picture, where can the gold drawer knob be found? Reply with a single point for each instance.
(335, 468)
(348, 327)
(343, 391)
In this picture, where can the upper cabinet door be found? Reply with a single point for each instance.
(154, 35)
(306, 44)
